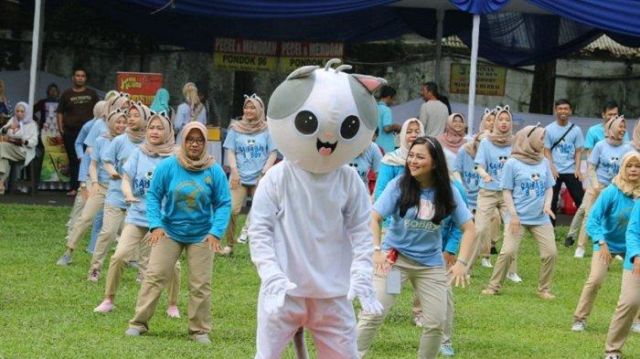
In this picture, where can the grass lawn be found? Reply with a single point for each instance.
(47, 311)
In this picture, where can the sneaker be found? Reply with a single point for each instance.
(579, 252)
(417, 319)
(485, 262)
(65, 260)
(139, 277)
(578, 326)
(133, 264)
(173, 311)
(244, 237)
(226, 251)
(489, 291)
(72, 193)
(514, 277)
(105, 307)
(612, 356)
(446, 350)
(494, 250)
(133, 332)
(635, 327)
(619, 258)
(569, 241)
(546, 295)
(202, 339)
(93, 276)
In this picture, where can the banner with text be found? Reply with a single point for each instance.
(491, 80)
(245, 55)
(294, 54)
(141, 86)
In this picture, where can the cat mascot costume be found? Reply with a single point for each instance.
(310, 218)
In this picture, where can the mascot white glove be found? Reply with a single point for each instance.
(362, 287)
(274, 291)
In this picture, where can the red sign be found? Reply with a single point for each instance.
(141, 86)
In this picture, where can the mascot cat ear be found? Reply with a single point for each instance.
(369, 82)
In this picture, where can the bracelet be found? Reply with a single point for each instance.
(465, 263)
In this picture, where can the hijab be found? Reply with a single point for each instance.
(161, 101)
(117, 101)
(498, 138)
(137, 135)
(205, 160)
(471, 147)
(112, 118)
(167, 147)
(483, 122)
(621, 180)
(28, 115)
(611, 131)
(635, 140)
(452, 139)
(399, 156)
(528, 145)
(243, 125)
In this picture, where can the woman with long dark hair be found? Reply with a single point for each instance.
(416, 203)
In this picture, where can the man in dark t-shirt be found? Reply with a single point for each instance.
(75, 108)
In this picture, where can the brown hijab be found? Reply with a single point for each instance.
(167, 147)
(471, 147)
(452, 139)
(621, 180)
(611, 131)
(635, 139)
(502, 139)
(137, 135)
(205, 160)
(245, 126)
(528, 145)
(112, 118)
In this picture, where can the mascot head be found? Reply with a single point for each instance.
(322, 118)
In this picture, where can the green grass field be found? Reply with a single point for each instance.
(47, 311)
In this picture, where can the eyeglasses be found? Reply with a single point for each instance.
(197, 141)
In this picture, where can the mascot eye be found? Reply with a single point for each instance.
(306, 122)
(350, 127)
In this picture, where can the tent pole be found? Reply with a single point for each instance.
(475, 35)
(439, 23)
(35, 50)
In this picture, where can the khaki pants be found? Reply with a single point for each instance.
(238, 196)
(160, 270)
(431, 285)
(545, 237)
(597, 275)
(576, 222)
(626, 310)
(94, 203)
(133, 238)
(489, 212)
(448, 325)
(76, 211)
(587, 201)
(112, 222)
(9, 152)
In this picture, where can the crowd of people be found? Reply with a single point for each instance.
(439, 196)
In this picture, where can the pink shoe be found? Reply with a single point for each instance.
(105, 307)
(173, 312)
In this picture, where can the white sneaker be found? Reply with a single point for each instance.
(619, 258)
(635, 327)
(244, 236)
(485, 262)
(514, 277)
(579, 252)
(578, 326)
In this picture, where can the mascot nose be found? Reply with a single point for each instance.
(328, 136)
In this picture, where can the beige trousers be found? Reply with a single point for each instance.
(9, 152)
(132, 239)
(576, 222)
(160, 270)
(490, 212)
(112, 221)
(588, 200)
(94, 204)
(76, 211)
(431, 285)
(545, 237)
(626, 310)
(238, 196)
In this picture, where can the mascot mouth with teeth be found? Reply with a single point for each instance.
(310, 235)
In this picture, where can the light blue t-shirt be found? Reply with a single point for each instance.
(139, 168)
(563, 154)
(451, 233)
(117, 154)
(183, 116)
(595, 134)
(607, 159)
(386, 173)
(196, 203)
(527, 184)
(466, 166)
(366, 161)
(83, 172)
(98, 129)
(98, 153)
(252, 152)
(633, 237)
(608, 219)
(415, 235)
(492, 158)
(385, 140)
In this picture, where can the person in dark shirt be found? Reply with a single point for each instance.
(75, 108)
